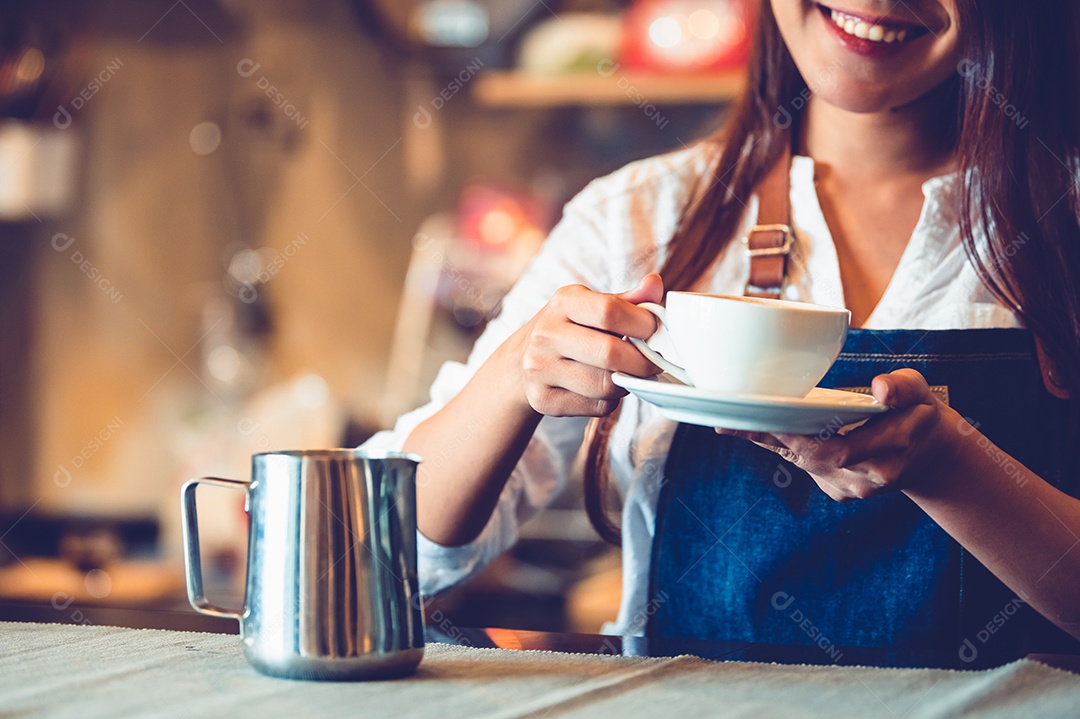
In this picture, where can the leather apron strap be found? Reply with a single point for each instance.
(769, 242)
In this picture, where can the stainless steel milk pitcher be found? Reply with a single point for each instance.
(331, 590)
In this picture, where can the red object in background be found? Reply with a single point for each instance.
(688, 35)
(496, 219)
(497, 232)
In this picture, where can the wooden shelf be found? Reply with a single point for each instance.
(519, 89)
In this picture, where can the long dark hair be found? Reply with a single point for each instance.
(1016, 131)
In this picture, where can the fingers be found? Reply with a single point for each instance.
(571, 348)
(561, 402)
(763, 439)
(581, 361)
(885, 440)
(609, 313)
(834, 492)
(589, 382)
(649, 289)
(780, 451)
(847, 454)
(901, 388)
(822, 460)
(814, 455)
(561, 386)
(841, 485)
(879, 456)
(887, 437)
(601, 350)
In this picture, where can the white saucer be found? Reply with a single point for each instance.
(820, 410)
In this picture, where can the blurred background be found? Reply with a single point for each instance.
(233, 226)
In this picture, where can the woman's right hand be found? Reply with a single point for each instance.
(567, 353)
(559, 363)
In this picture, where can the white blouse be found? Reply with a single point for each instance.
(613, 233)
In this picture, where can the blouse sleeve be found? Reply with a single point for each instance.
(577, 251)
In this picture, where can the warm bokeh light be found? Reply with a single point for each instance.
(665, 32)
(703, 24)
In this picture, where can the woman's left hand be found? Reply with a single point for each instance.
(892, 451)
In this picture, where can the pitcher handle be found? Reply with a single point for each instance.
(655, 357)
(192, 558)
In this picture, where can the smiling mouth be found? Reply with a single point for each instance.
(873, 30)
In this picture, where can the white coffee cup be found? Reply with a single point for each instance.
(748, 345)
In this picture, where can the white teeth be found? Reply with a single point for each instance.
(864, 30)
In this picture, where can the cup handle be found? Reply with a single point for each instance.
(192, 558)
(655, 357)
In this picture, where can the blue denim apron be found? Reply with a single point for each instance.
(748, 548)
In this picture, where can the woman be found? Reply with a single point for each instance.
(932, 193)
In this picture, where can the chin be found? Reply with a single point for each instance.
(864, 74)
(860, 101)
(846, 91)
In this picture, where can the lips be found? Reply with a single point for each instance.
(879, 31)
